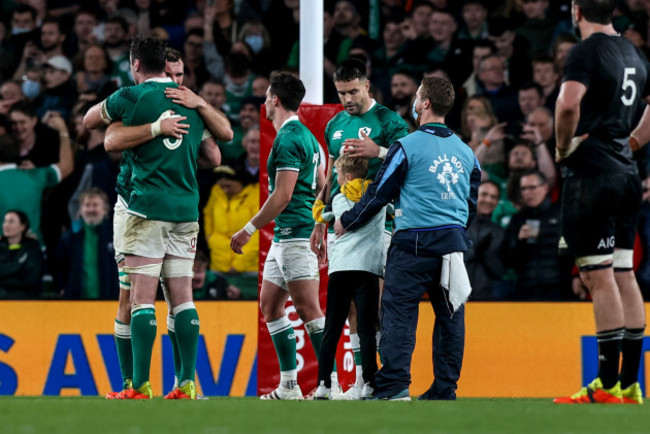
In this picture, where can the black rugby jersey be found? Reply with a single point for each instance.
(616, 76)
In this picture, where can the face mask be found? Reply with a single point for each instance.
(256, 43)
(31, 89)
(19, 30)
(415, 114)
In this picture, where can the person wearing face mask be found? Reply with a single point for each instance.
(255, 35)
(84, 256)
(21, 261)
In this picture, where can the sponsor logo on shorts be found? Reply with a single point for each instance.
(606, 243)
(192, 248)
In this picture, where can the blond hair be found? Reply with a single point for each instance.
(355, 166)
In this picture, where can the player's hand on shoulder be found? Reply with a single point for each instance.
(184, 96)
(238, 241)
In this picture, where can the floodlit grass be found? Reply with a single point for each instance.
(250, 415)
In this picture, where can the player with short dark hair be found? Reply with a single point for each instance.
(291, 268)
(605, 78)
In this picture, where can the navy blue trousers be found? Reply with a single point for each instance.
(407, 278)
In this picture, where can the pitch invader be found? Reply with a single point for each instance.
(291, 268)
(364, 129)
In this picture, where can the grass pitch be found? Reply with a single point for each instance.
(250, 415)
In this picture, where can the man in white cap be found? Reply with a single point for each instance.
(59, 94)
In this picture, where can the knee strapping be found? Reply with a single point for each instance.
(138, 308)
(183, 306)
(125, 280)
(177, 268)
(594, 262)
(152, 270)
(623, 259)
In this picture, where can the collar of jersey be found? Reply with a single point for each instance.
(289, 119)
(372, 104)
(8, 166)
(159, 79)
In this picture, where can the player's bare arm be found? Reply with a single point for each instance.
(215, 121)
(209, 154)
(567, 115)
(120, 137)
(285, 181)
(641, 134)
(317, 239)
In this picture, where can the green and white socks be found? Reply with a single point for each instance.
(171, 332)
(284, 341)
(124, 351)
(143, 335)
(186, 325)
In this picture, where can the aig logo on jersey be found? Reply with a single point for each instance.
(448, 175)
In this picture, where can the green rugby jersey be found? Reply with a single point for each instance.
(163, 180)
(295, 148)
(381, 124)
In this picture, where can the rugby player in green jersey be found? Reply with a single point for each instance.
(364, 129)
(291, 268)
(123, 105)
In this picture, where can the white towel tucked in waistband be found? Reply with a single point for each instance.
(454, 279)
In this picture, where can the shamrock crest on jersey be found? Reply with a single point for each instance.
(364, 130)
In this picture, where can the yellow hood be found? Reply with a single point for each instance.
(354, 189)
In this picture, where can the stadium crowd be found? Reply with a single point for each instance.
(504, 57)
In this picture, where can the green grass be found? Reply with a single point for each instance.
(249, 415)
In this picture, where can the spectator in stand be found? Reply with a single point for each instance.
(250, 161)
(239, 78)
(94, 79)
(482, 48)
(208, 285)
(232, 203)
(503, 98)
(260, 84)
(39, 144)
(52, 37)
(561, 47)
(21, 260)
(474, 14)
(196, 71)
(10, 93)
(214, 93)
(23, 31)
(512, 48)
(417, 23)
(482, 261)
(94, 167)
(26, 186)
(530, 244)
(249, 116)
(84, 257)
(537, 27)
(347, 21)
(402, 89)
(116, 32)
(389, 57)
(255, 35)
(530, 97)
(83, 35)
(542, 120)
(59, 94)
(545, 74)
